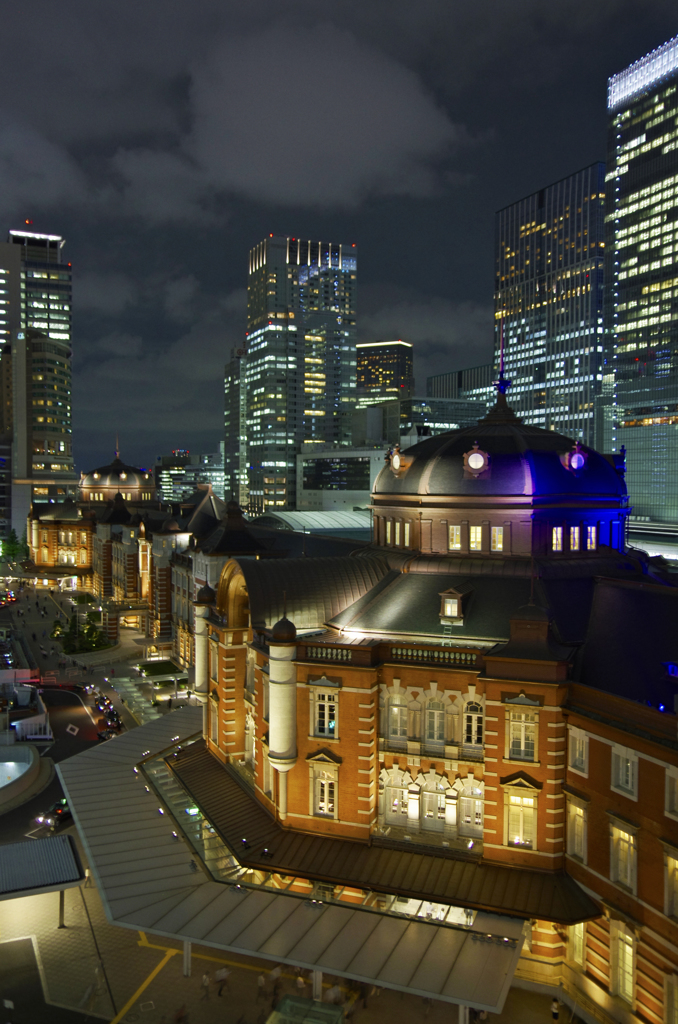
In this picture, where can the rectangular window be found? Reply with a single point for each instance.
(625, 772)
(623, 858)
(397, 532)
(521, 822)
(576, 831)
(579, 751)
(451, 607)
(574, 538)
(325, 797)
(671, 793)
(522, 733)
(454, 538)
(476, 538)
(497, 538)
(623, 964)
(214, 721)
(557, 538)
(591, 538)
(397, 723)
(671, 896)
(325, 714)
(388, 531)
(406, 532)
(577, 940)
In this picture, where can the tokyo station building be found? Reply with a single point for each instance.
(467, 727)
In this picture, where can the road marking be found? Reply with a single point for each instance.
(144, 985)
(73, 729)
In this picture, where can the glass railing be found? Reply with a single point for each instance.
(224, 866)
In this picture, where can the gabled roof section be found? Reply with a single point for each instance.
(206, 515)
(317, 589)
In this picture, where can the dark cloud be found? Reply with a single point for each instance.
(165, 142)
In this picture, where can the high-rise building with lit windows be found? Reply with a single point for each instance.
(299, 369)
(35, 373)
(385, 369)
(639, 406)
(549, 301)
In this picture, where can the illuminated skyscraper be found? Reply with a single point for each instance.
(549, 301)
(385, 369)
(300, 364)
(35, 371)
(639, 407)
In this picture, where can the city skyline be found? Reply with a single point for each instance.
(433, 142)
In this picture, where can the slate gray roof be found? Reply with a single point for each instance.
(145, 882)
(316, 588)
(409, 604)
(39, 865)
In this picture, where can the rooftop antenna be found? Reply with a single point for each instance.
(501, 384)
(117, 446)
(284, 604)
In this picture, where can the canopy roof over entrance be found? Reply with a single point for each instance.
(147, 880)
(39, 865)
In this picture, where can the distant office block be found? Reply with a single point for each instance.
(474, 383)
(549, 301)
(639, 406)
(385, 369)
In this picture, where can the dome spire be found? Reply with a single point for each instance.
(501, 410)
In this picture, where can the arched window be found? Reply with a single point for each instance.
(434, 735)
(473, 724)
(433, 805)
(470, 816)
(395, 800)
(397, 721)
(45, 554)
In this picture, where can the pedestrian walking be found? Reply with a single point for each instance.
(301, 984)
(261, 987)
(222, 976)
(205, 985)
(88, 879)
(555, 1009)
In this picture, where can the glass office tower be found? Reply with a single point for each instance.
(35, 370)
(549, 301)
(639, 406)
(300, 363)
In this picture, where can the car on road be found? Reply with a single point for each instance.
(103, 703)
(106, 734)
(57, 815)
(113, 718)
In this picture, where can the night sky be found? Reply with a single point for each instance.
(164, 139)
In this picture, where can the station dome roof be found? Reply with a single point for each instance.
(501, 456)
(119, 476)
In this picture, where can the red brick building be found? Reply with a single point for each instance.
(473, 714)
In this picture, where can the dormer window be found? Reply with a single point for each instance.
(452, 605)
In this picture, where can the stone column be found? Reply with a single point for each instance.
(282, 706)
(202, 607)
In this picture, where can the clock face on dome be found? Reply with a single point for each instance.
(395, 461)
(476, 462)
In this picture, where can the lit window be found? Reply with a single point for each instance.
(406, 532)
(579, 751)
(325, 796)
(576, 829)
(671, 883)
(388, 531)
(623, 858)
(522, 734)
(473, 724)
(476, 538)
(451, 607)
(574, 538)
(557, 538)
(214, 721)
(671, 793)
(591, 538)
(497, 538)
(454, 538)
(325, 714)
(435, 723)
(625, 772)
(577, 943)
(623, 962)
(397, 720)
(521, 821)
(397, 532)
